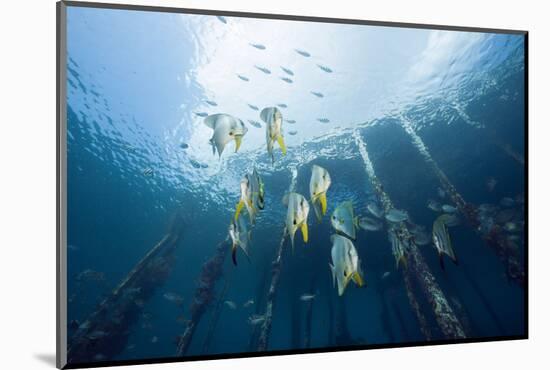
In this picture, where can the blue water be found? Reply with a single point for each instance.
(136, 81)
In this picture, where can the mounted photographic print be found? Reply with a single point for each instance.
(236, 184)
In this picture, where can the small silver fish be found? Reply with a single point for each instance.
(303, 53)
(256, 319)
(317, 94)
(148, 172)
(385, 275)
(324, 68)
(292, 132)
(263, 69)
(248, 303)
(201, 114)
(434, 205)
(291, 121)
(244, 78)
(154, 339)
(307, 297)
(282, 105)
(211, 102)
(323, 120)
(231, 305)
(184, 145)
(194, 163)
(258, 46)
(375, 210)
(448, 208)
(397, 215)
(287, 80)
(253, 107)
(287, 71)
(369, 224)
(222, 19)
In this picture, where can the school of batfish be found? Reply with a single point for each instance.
(345, 265)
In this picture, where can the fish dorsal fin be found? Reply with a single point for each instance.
(265, 114)
(210, 121)
(349, 206)
(285, 199)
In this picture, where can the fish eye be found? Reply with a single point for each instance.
(334, 217)
(230, 133)
(294, 221)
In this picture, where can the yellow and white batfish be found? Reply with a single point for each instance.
(344, 221)
(296, 216)
(345, 265)
(318, 185)
(226, 128)
(273, 118)
(240, 237)
(252, 195)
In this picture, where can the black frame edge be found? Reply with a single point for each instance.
(286, 17)
(61, 158)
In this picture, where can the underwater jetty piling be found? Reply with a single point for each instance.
(494, 237)
(211, 272)
(105, 332)
(258, 303)
(505, 147)
(309, 316)
(215, 318)
(265, 329)
(416, 268)
(342, 336)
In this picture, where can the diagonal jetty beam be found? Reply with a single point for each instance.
(105, 332)
(265, 329)
(211, 272)
(215, 318)
(494, 237)
(417, 269)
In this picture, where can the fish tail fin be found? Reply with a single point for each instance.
(281, 142)
(234, 253)
(240, 206)
(323, 201)
(238, 141)
(304, 231)
(358, 279)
